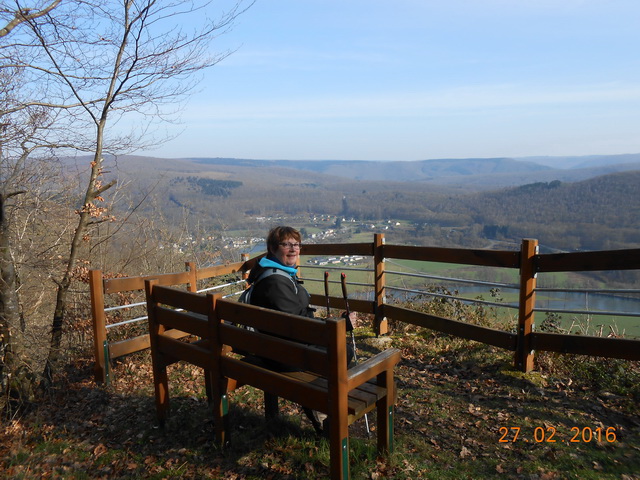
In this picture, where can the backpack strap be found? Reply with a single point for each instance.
(245, 297)
(274, 271)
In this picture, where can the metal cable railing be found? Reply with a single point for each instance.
(454, 280)
(589, 290)
(427, 293)
(326, 267)
(587, 312)
(501, 285)
(454, 297)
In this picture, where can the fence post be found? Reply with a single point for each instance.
(380, 322)
(524, 353)
(193, 282)
(96, 291)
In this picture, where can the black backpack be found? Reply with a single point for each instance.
(245, 297)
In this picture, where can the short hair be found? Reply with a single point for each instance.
(279, 234)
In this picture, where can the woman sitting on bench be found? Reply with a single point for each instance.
(272, 289)
(276, 285)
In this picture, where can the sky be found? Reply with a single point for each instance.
(419, 79)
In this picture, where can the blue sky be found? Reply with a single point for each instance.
(420, 79)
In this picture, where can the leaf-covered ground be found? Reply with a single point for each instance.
(462, 412)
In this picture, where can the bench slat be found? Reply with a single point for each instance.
(280, 384)
(359, 399)
(192, 323)
(193, 302)
(300, 329)
(368, 396)
(189, 352)
(372, 388)
(285, 351)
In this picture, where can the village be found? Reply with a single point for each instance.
(349, 260)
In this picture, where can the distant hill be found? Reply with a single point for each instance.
(598, 213)
(474, 173)
(587, 161)
(464, 174)
(399, 171)
(592, 204)
(510, 179)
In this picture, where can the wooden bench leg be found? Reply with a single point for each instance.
(208, 378)
(385, 428)
(220, 406)
(161, 387)
(384, 408)
(339, 446)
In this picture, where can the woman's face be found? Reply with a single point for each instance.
(288, 252)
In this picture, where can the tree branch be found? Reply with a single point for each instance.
(26, 14)
(105, 187)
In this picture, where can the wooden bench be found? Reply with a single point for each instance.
(315, 351)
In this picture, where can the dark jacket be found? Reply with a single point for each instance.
(279, 292)
(283, 293)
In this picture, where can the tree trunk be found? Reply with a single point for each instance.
(9, 317)
(64, 284)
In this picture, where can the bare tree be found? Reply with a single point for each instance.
(96, 63)
(29, 186)
(23, 131)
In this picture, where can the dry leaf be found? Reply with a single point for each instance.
(465, 452)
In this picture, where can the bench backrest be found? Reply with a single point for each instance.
(192, 313)
(299, 342)
(303, 343)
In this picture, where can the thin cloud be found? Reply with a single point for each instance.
(452, 101)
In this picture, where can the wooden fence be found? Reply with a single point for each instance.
(523, 343)
(100, 286)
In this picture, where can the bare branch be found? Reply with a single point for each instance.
(22, 15)
(104, 188)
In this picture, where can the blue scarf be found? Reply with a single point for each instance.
(270, 262)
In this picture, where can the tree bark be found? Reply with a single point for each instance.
(9, 310)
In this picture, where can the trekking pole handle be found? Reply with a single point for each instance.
(343, 280)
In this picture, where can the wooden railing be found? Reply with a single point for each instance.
(100, 286)
(523, 343)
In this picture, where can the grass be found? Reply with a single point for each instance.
(462, 412)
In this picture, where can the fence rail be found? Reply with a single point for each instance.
(99, 287)
(524, 342)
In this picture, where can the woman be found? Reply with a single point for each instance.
(275, 280)
(276, 286)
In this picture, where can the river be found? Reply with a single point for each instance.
(612, 306)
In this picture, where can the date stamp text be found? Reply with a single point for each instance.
(549, 434)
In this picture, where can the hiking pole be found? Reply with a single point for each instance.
(343, 280)
(326, 290)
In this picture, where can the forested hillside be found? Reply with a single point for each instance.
(598, 213)
(396, 171)
(473, 173)
(601, 213)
